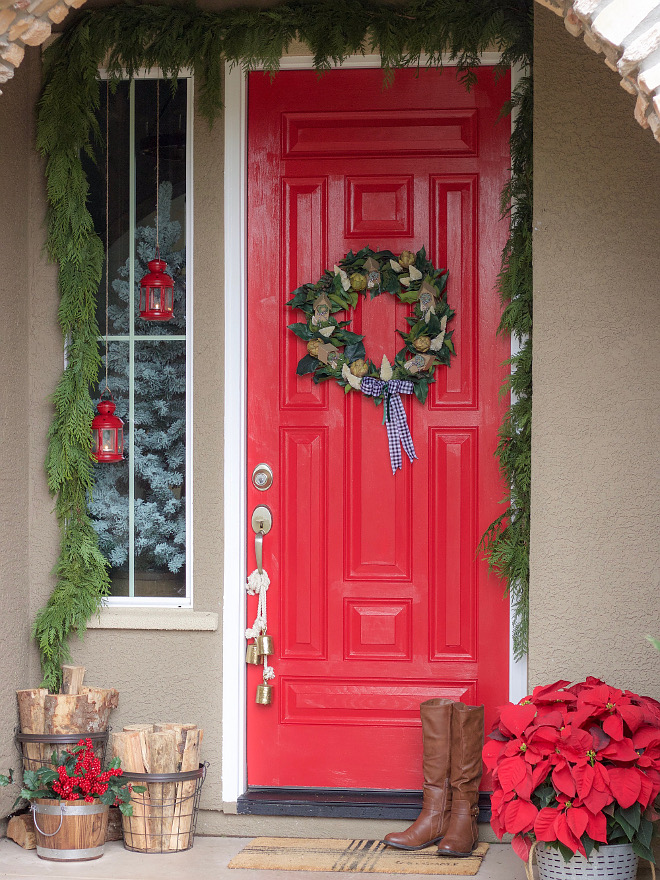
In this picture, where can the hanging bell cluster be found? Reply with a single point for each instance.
(257, 653)
(263, 646)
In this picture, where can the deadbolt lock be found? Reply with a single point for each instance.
(262, 477)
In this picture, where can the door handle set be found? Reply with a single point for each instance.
(262, 523)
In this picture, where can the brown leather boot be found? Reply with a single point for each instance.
(430, 825)
(467, 737)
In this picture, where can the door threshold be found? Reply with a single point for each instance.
(339, 803)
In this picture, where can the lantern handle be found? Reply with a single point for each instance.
(106, 393)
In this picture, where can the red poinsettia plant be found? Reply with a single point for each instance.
(576, 766)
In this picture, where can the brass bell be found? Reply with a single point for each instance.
(252, 655)
(264, 695)
(265, 645)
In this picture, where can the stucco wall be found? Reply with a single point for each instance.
(595, 452)
(16, 129)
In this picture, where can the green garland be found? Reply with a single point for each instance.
(427, 339)
(127, 37)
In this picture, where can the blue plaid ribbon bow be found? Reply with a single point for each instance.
(394, 416)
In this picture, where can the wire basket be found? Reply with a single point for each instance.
(165, 815)
(37, 749)
(609, 862)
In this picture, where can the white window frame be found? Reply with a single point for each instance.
(234, 716)
(157, 601)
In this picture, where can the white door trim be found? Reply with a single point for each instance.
(234, 770)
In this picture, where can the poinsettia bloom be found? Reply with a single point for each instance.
(603, 701)
(566, 823)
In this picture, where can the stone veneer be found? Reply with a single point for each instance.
(627, 32)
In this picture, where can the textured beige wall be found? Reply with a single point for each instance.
(596, 440)
(16, 264)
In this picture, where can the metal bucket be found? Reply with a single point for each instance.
(605, 863)
(69, 831)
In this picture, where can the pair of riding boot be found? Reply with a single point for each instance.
(453, 738)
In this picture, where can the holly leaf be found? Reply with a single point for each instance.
(46, 776)
(30, 779)
(450, 345)
(307, 364)
(354, 352)
(302, 331)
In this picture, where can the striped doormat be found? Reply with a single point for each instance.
(352, 856)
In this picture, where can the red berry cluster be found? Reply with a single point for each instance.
(87, 780)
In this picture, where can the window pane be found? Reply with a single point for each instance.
(139, 504)
(118, 204)
(171, 195)
(160, 458)
(109, 503)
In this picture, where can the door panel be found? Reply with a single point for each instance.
(377, 600)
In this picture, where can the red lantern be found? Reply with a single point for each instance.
(107, 433)
(157, 292)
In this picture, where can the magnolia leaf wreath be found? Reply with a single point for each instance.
(335, 352)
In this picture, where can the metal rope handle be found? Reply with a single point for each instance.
(33, 807)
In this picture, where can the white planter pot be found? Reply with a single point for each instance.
(609, 862)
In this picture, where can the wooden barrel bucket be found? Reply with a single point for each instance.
(69, 831)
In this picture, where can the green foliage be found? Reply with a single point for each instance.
(506, 541)
(126, 37)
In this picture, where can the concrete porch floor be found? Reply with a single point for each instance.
(207, 860)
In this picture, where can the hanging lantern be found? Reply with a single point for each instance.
(157, 292)
(107, 433)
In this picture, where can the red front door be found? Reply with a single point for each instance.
(377, 600)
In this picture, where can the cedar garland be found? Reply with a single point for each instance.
(127, 37)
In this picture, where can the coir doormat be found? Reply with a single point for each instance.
(353, 856)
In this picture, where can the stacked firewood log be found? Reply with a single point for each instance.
(77, 710)
(162, 819)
